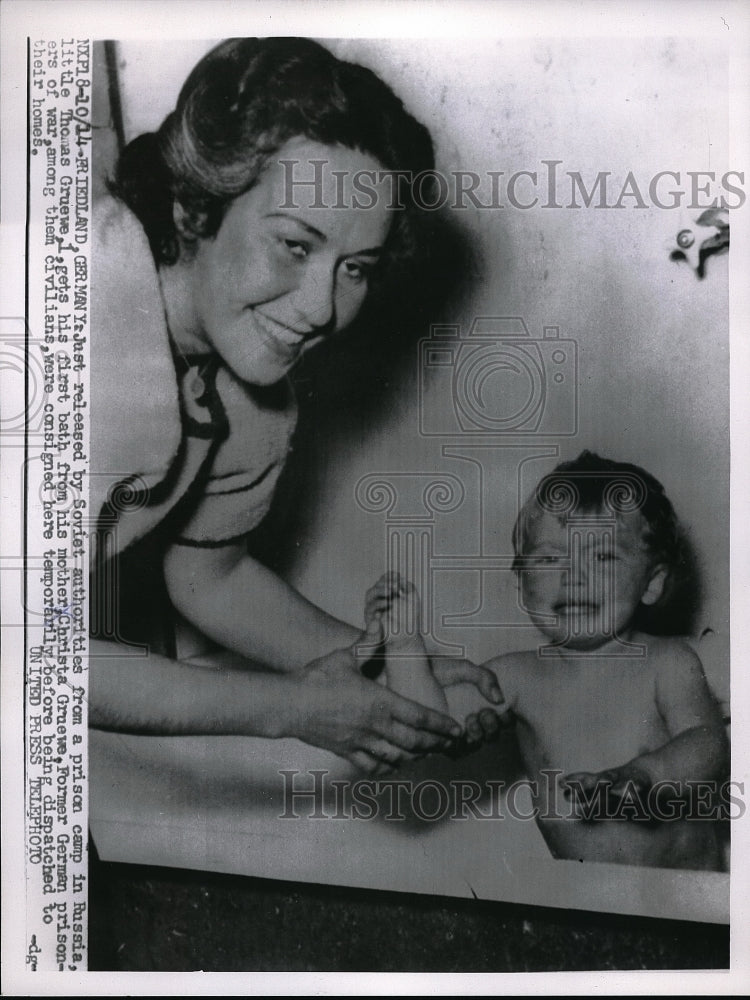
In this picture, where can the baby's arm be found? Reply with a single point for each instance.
(395, 604)
(483, 722)
(698, 749)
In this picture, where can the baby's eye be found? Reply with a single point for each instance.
(550, 560)
(605, 556)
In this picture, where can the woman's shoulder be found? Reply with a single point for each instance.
(134, 401)
(114, 225)
(125, 282)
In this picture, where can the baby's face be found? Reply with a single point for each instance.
(587, 577)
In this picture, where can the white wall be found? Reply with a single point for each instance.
(652, 338)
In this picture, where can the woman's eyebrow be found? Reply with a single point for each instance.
(305, 225)
(369, 252)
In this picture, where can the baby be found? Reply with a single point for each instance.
(621, 738)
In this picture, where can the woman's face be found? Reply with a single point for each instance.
(275, 279)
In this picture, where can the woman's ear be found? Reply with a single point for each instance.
(655, 587)
(184, 223)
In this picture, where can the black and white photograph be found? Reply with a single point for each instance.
(373, 483)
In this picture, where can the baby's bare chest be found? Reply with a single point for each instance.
(590, 718)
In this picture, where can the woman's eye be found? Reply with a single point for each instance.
(605, 556)
(296, 248)
(354, 271)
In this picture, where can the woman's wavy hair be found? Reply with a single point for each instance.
(238, 106)
(590, 483)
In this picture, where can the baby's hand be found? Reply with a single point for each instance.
(394, 603)
(619, 793)
(486, 725)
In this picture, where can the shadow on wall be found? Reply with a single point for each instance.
(349, 387)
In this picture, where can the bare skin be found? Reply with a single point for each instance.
(393, 605)
(623, 725)
(607, 723)
(273, 282)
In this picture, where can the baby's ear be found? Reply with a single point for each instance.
(656, 584)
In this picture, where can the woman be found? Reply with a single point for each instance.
(237, 239)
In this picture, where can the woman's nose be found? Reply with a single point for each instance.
(314, 298)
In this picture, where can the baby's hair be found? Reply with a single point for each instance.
(592, 483)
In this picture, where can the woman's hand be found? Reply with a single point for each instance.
(362, 721)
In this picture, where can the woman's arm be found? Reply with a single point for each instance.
(245, 607)
(329, 705)
(151, 694)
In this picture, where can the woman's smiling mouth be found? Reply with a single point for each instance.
(282, 340)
